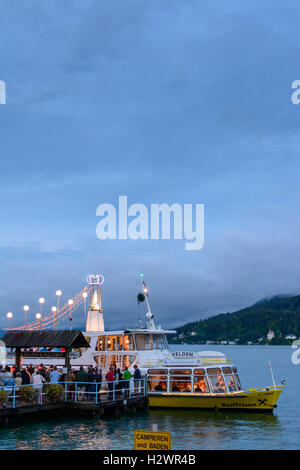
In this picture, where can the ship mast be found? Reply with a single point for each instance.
(149, 315)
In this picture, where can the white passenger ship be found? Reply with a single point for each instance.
(207, 379)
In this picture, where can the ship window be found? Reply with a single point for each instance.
(157, 383)
(180, 371)
(157, 371)
(143, 342)
(213, 371)
(114, 360)
(230, 382)
(180, 383)
(217, 384)
(226, 370)
(128, 360)
(100, 361)
(114, 342)
(159, 341)
(199, 372)
(101, 343)
(238, 383)
(128, 343)
(200, 384)
(234, 370)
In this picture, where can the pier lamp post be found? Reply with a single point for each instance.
(41, 301)
(26, 309)
(84, 295)
(58, 294)
(38, 317)
(53, 310)
(9, 316)
(70, 302)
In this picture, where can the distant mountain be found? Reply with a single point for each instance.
(274, 297)
(280, 314)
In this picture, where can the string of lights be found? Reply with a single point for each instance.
(53, 318)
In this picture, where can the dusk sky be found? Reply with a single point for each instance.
(165, 102)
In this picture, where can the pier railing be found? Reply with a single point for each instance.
(89, 392)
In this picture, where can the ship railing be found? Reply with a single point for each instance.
(95, 392)
(194, 361)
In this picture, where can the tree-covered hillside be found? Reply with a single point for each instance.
(279, 314)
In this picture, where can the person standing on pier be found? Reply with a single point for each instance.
(81, 377)
(137, 379)
(54, 376)
(126, 381)
(110, 377)
(98, 379)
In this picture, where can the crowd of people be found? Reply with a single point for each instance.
(89, 381)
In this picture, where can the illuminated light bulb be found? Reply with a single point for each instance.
(58, 293)
(9, 315)
(26, 308)
(53, 309)
(146, 290)
(38, 316)
(70, 302)
(41, 300)
(84, 295)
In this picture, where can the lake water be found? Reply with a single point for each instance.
(190, 429)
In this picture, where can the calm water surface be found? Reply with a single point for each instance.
(190, 429)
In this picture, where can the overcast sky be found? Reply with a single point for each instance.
(162, 101)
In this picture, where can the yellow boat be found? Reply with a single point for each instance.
(214, 387)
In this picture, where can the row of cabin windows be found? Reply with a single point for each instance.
(139, 342)
(120, 362)
(213, 381)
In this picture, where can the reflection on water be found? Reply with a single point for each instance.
(190, 429)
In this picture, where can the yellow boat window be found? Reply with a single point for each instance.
(157, 371)
(200, 384)
(230, 383)
(217, 384)
(180, 383)
(238, 383)
(213, 370)
(226, 370)
(157, 383)
(180, 371)
(199, 372)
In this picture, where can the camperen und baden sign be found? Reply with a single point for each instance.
(152, 440)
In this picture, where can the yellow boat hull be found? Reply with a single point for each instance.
(251, 400)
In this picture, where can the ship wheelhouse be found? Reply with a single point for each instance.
(123, 348)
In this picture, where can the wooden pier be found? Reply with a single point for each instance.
(72, 408)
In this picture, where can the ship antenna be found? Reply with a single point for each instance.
(144, 296)
(145, 292)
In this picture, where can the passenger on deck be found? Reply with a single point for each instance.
(231, 386)
(175, 388)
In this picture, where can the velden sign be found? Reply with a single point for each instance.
(183, 354)
(152, 440)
